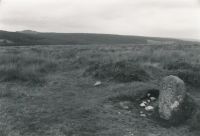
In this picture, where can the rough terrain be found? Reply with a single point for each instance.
(49, 90)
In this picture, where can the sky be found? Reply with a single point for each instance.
(160, 18)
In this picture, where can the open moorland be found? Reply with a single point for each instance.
(49, 90)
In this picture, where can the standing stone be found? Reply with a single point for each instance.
(171, 98)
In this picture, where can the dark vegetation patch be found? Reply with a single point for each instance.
(177, 65)
(134, 91)
(153, 93)
(190, 77)
(195, 120)
(6, 91)
(189, 73)
(25, 68)
(122, 71)
(132, 102)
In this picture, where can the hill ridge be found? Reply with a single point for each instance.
(30, 37)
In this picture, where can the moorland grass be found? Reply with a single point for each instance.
(67, 103)
(25, 68)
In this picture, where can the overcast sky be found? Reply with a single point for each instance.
(164, 18)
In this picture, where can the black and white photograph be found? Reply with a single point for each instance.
(99, 67)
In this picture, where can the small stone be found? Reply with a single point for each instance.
(149, 108)
(148, 101)
(143, 115)
(141, 112)
(97, 83)
(124, 105)
(148, 94)
(142, 104)
(152, 98)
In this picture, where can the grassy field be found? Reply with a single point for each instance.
(49, 90)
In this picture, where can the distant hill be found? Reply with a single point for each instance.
(28, 32)
(29, 37)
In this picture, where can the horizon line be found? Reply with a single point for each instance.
(166, 37)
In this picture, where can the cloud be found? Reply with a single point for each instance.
(172, 18)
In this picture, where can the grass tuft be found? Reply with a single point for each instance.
(25, 68)
(123, 71)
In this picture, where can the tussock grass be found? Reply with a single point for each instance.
(6, 91)
(123, 71)
(25, 68)
(69, 104)
(126, 63)
(195, 121)
(177, 65)
(190, 77)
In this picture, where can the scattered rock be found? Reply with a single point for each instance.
(124, 104)
(148, 101)
(171, 98)
(143, 104)
(149, 108)
(152, 98)
(143, 115)
(148, 94)
(98, 83)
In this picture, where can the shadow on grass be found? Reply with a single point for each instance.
(122, 71)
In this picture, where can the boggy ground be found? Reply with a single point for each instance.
(49, 90)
